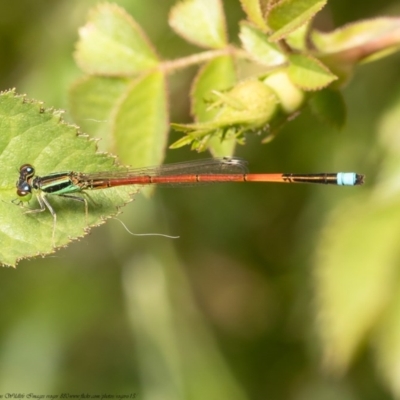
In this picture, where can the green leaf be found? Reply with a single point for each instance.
(113, 44)
(218, 74)
(201, 22)
(388, 133)
(256, 11)
(287, 15)
(329, 106)
(92, 103)
(32, 134)
(131, 116)
(387, 344)
(298, 39)
(184, 141)
(256, 43)
(356, 274)
(309, 73)
(386, 335)
(141, 122)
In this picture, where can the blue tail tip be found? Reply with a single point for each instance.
(349, 179)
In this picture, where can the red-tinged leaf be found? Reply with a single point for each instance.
(359, 41)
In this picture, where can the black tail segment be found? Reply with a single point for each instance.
(324, 179)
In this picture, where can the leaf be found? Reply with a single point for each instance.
(308, 73)
(329, 106)
(298, 39)
(218, 74)
(183, 141)
(256, 10)
(364, 40)
(132, 116)
(141, 122)
(256, 43)
(355, 276)
(32, 134)
(113, 44)
(388, 133)
(287, 15)
(92, 103)
(201, 22)
(386, 336)
(387, 344)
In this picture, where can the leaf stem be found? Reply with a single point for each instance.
(199, 58)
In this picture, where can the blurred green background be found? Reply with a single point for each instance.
(227, 310)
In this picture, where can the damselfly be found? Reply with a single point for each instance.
(73, 185)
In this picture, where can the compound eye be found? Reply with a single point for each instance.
(24, 191)
(26, 170)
